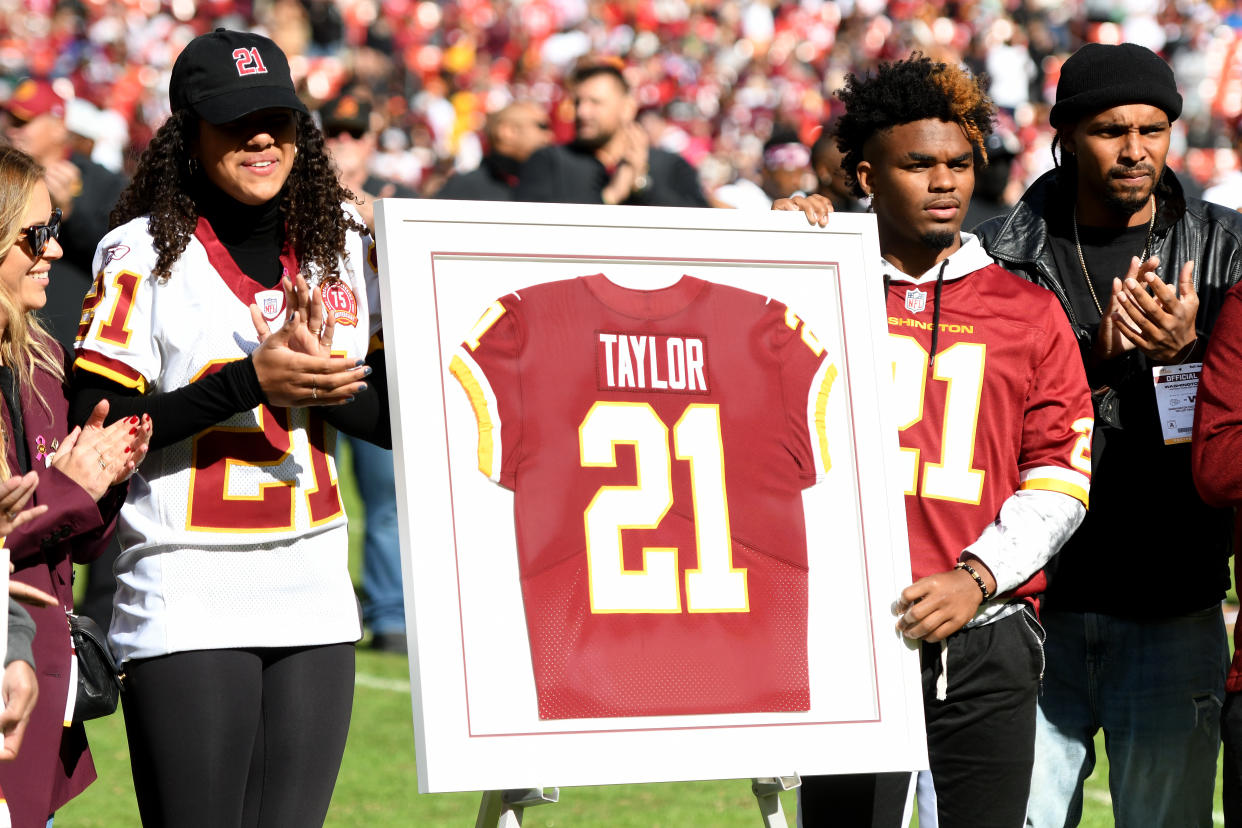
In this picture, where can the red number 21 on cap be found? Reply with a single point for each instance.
(249, 62)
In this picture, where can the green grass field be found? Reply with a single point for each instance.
(378, 786)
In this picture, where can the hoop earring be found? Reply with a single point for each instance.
(193, 167)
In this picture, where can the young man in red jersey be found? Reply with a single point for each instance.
(995, 425)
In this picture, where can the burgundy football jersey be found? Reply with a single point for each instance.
(1005, 406)
(657, 443)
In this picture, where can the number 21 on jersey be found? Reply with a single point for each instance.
(214, 506)
(961, 367)
(715, 586)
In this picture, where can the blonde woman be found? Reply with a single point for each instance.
(78, 475)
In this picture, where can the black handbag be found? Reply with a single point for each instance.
(99, 684)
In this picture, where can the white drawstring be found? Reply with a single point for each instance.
(942, 683)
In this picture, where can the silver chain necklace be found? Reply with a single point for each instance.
(1151, 226)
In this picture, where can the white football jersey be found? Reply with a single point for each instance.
(235, 537)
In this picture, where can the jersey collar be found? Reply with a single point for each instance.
(645, 304)
(961, 262)
(243, 287)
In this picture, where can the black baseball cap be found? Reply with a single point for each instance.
(223, 75)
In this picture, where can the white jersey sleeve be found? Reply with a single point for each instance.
(114, 336)
(365, 260)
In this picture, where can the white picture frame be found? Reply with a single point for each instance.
(476, 725)
(4, 623)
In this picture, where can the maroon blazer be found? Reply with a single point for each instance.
(54, 764)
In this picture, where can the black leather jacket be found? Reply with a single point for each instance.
(1149, 546)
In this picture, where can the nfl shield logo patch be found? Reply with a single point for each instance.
(916, 300)
(270, 302)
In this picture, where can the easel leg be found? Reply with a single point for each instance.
(503, 809)
(767, 791)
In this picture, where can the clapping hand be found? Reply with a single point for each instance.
(20, 690)
(19, 687)
(308, 329)
(1145, 313)
(97, 457)
(295, 364)
(14, 494)
(629, 154)
(64, 185)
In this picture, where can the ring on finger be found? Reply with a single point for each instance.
(11, 514)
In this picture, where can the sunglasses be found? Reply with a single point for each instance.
(336, 132)
(40, 234)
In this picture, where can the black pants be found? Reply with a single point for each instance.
(223, 738)
(980, 738)
(1231, 735)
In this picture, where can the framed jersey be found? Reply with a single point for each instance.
(650, 524)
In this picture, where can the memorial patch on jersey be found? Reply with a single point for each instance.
(271, 303)
(651, 362)
(339, 300)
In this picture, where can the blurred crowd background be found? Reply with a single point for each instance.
(713, 77)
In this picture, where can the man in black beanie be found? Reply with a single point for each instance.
(1135, 639)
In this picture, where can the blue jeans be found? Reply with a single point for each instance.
(383, 607)
(1156, 688)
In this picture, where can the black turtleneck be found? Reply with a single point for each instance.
(254, 237)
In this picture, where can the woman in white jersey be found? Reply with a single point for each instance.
(76, 500)
(234, 616)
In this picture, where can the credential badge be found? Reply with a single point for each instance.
(916, 300)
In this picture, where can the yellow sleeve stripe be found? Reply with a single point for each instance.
(821, 415)
(1050, 484)
(478, 401)
(109, 369)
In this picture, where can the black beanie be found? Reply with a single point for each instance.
(1099, 77)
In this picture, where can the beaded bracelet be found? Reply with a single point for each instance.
(970, 570)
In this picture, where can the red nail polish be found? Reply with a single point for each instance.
(127, 449)
(133, 420)
(133, 431)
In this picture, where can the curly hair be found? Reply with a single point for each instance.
(905, 91)
(165, 183)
